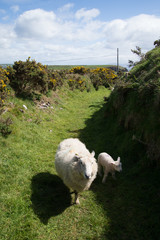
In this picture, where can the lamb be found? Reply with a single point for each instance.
(106, 162)
(75, 165)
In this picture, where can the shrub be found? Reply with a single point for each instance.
(55, 79)
(4, 81)
(157, 43)
(79, 70)
(5, 129)
(102, 77)
(75, 81)
(139, 53)
(28, 77)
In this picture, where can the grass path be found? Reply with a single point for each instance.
(34, 202)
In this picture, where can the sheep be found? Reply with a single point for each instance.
(75, 165)
(106, 162)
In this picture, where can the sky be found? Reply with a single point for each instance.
(77, 32)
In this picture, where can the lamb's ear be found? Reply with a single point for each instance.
(93, 153)
(118, 159)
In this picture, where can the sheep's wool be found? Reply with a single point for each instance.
(73, 162)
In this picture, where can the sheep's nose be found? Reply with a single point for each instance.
(87, 177)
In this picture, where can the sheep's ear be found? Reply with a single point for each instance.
(93, 153)
(76, 158)
(118, 159)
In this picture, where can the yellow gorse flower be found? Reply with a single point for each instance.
(53, 81)
(3, 85)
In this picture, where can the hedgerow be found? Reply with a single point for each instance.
(31, 79)
(135, 103)
(4, 81)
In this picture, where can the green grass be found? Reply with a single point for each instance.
(34, 203)
(67, 67)
(60, 67)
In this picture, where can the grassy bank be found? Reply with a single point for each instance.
(131, 202)
(34, 202)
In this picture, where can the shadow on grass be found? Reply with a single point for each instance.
(50, 197)
(131, 203)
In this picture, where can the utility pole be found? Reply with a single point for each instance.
(117, 60)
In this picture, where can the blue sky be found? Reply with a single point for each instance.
(76, 32)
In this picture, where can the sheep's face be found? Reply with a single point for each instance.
(85, 165)
(118, 165)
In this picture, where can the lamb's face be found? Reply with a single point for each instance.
(118, 165)
(85, 165)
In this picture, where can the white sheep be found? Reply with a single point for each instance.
(106, 162)
(75, 165)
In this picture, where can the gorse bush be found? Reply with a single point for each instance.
(80, 70)
(31, 79)
(56, 79)
(99, 76)
(4, 81)
(75, 81)
(102, 77)
(28, 77)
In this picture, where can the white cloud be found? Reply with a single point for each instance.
(141, 30)
(87, 15)
(36, 24)
(79, 38)
(7, 36)
(65, 13)
(46, 25)
(66, 7)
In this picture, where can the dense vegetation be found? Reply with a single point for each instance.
(4, 81)
(31, 79)
(50, 105)
(135, 104)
